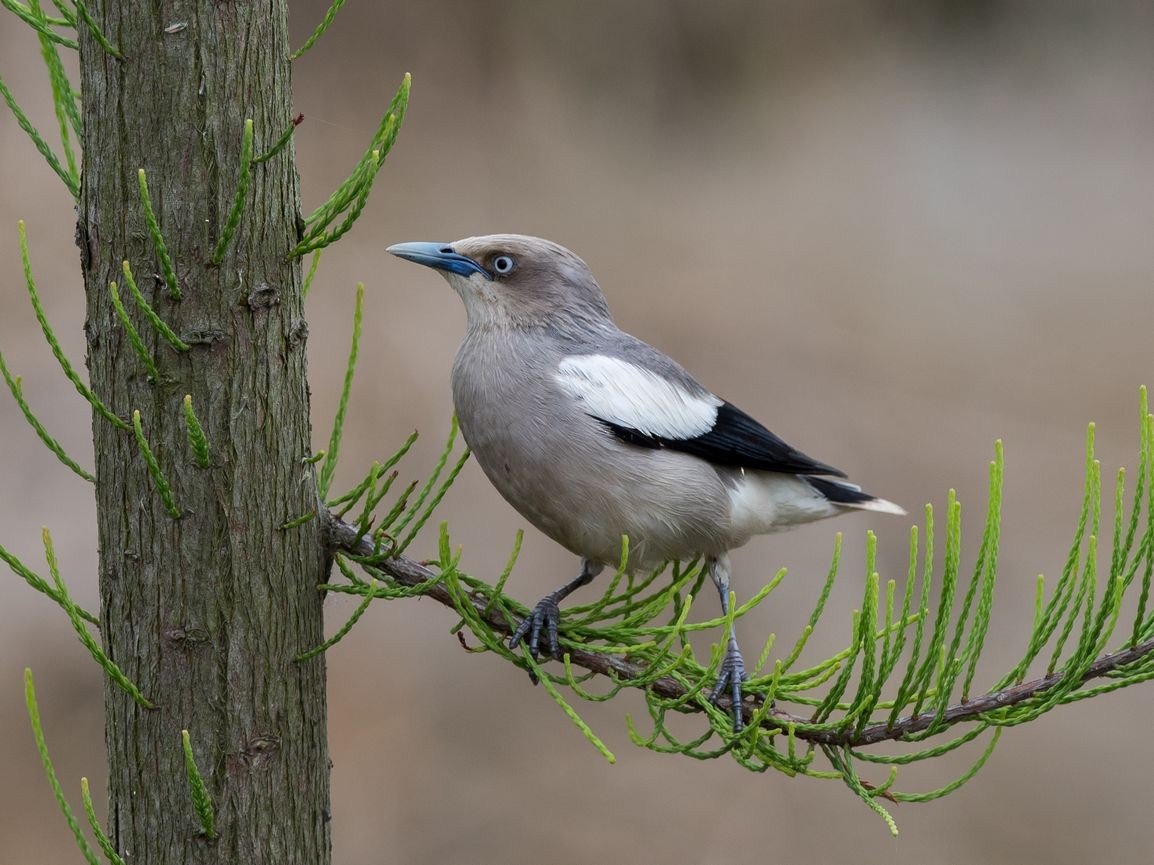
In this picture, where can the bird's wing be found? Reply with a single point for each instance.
(664, 407)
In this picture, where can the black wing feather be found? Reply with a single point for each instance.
(736, 440)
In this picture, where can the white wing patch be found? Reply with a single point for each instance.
(628, 395)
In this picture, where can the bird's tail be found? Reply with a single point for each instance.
(849, 495)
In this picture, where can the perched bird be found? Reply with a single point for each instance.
(592, 434)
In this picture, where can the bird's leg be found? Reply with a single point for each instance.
(732, 672)
(547, 613)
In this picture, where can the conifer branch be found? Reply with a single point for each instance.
(38, 583)
(342, 537)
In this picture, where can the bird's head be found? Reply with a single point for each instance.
(512, 280)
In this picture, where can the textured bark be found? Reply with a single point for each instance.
(204, 612)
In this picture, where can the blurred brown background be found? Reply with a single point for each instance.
(894, 230)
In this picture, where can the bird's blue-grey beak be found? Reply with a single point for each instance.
(440, 256)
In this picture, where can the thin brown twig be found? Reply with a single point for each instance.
(342, 537)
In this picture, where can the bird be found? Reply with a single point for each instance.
(591, 433)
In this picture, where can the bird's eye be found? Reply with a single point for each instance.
(503, 264)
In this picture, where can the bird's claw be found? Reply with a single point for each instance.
(729, 678)
(545, 616)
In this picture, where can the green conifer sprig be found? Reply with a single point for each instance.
(242, 184)
(157, 238)
(162, 485)
(133, 334)
(94, 824)
(332, 454)
(50, 336)
(38, 22)
(197, 441)
(38, 141)
(281, 142)
(351, 196)
(149, 313)
(333, 9)
(41, 585)
(67, 12)
(57, 791)
(63, 101)
(84, 15)
(311, 275)
(107, 664)
(14, 386)
(198, 791)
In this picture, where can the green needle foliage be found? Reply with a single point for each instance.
(162, 485)
(84, 15)
(53, 343)
(157, 238)
(38, 140)
(39, 584)
(352, 195)
(32, 16)
(14, 385)
(201, 800)
(94, 824)
(155, 320)
(242, 184)
(67, 11)
(196, 438)
(311, 275)
(321, 28)
(57, 790)
(107, 664)
(907, 675)
(329, 466)
(281, 142)
(133, 334)
(67, 113)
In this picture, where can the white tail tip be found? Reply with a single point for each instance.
(882, 506)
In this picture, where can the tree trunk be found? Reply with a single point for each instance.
(204, 612)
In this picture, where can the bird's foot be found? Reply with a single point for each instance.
(545, 617)
(729, 678)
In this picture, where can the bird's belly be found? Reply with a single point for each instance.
(585, 489)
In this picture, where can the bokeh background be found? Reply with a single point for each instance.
(895, 231)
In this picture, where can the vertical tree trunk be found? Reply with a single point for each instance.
(204, 612)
